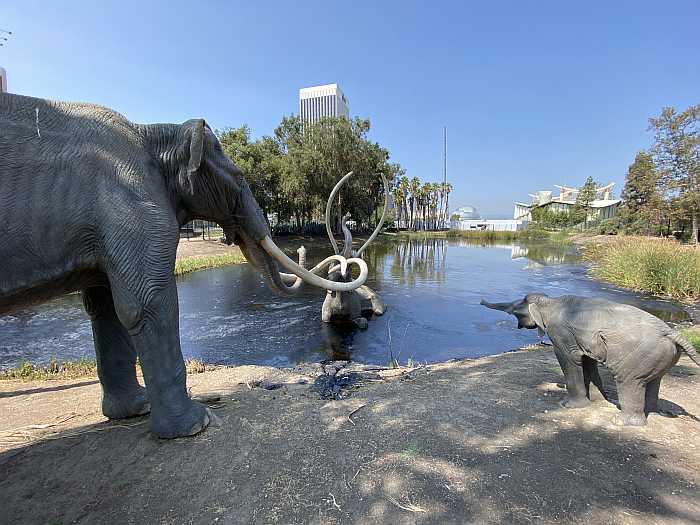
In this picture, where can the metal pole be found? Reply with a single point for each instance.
(444, 169)
(444, 155)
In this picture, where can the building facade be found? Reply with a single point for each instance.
(467, 218)
(322, 101)
(3, 81)
(603, 207)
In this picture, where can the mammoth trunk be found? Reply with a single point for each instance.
(266, 265)
(503, 307)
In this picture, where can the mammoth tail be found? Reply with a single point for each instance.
(685, 345)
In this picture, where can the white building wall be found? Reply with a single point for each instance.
(3, 81)
(322, 101)
(498, 225)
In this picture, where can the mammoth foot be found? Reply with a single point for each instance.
(126, 404)
(630, 420)
(181, 423)
(575, 402)
(371, 302)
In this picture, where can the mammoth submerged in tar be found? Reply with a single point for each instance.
(636, 346)
(353, 308)
(106, 198)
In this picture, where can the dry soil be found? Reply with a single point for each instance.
(474, 441)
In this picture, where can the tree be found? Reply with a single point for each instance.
(641, 199)
(413, 188)
(586, 195)
(676, 152)
(448, 189)
(259, 161)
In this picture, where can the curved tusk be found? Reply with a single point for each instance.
(328, 211)
(381, 221)
(347, 237)
(309, 276)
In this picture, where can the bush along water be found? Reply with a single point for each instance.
(659, 267)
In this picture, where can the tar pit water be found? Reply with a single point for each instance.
(431, 286)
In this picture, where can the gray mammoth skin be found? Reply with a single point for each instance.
(636, 346)
(350, 307)
(90, 201)
(344, 308)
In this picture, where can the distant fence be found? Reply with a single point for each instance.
(208, 230)
(201, 229)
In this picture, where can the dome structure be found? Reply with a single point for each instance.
(467, 213)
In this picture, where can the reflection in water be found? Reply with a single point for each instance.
(545, 253)
(227, 315)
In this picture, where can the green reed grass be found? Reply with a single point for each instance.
(192, 264)
(693, 337)
(26, 371)
(656, 266)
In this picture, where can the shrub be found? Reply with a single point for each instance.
(660, 267)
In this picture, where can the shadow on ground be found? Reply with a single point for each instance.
(481, 441)
(57, 388)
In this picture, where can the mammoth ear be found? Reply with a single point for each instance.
(536, 315)
(196, 146)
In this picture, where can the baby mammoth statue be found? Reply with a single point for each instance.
(636, 346)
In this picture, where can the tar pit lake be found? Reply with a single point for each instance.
(431, 286)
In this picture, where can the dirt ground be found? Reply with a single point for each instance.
(473, 441)
(199, 247)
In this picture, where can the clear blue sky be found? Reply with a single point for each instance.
(533, 93)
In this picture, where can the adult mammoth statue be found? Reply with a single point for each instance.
(93, 202)
(637, 347)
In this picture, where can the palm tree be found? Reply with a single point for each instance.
(441, 193)
(403, 185)
(448, 189)
(435, 195)
(414, 187)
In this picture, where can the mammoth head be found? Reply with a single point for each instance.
(210, 186)
(528, 310)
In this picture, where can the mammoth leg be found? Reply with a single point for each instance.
(573, 375)
(154, 328)
(591, 375)
(651, 396)
(122, 395)
(361, 323)
(632, 395)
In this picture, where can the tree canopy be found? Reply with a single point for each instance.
(676, 153)
(292, 173)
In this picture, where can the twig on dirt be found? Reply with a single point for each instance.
(353, 412)
(92, 430)
(57, 435)
(40, 427)
(410, 507)
(335, 504)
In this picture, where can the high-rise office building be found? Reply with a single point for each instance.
(3, 81)
(322, 101)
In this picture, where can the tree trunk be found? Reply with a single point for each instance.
(694, 235)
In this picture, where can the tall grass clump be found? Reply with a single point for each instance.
(531, 233)
(192, 264)
(656, 266)
(27, 371)
(482, 235)
(693, 337)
